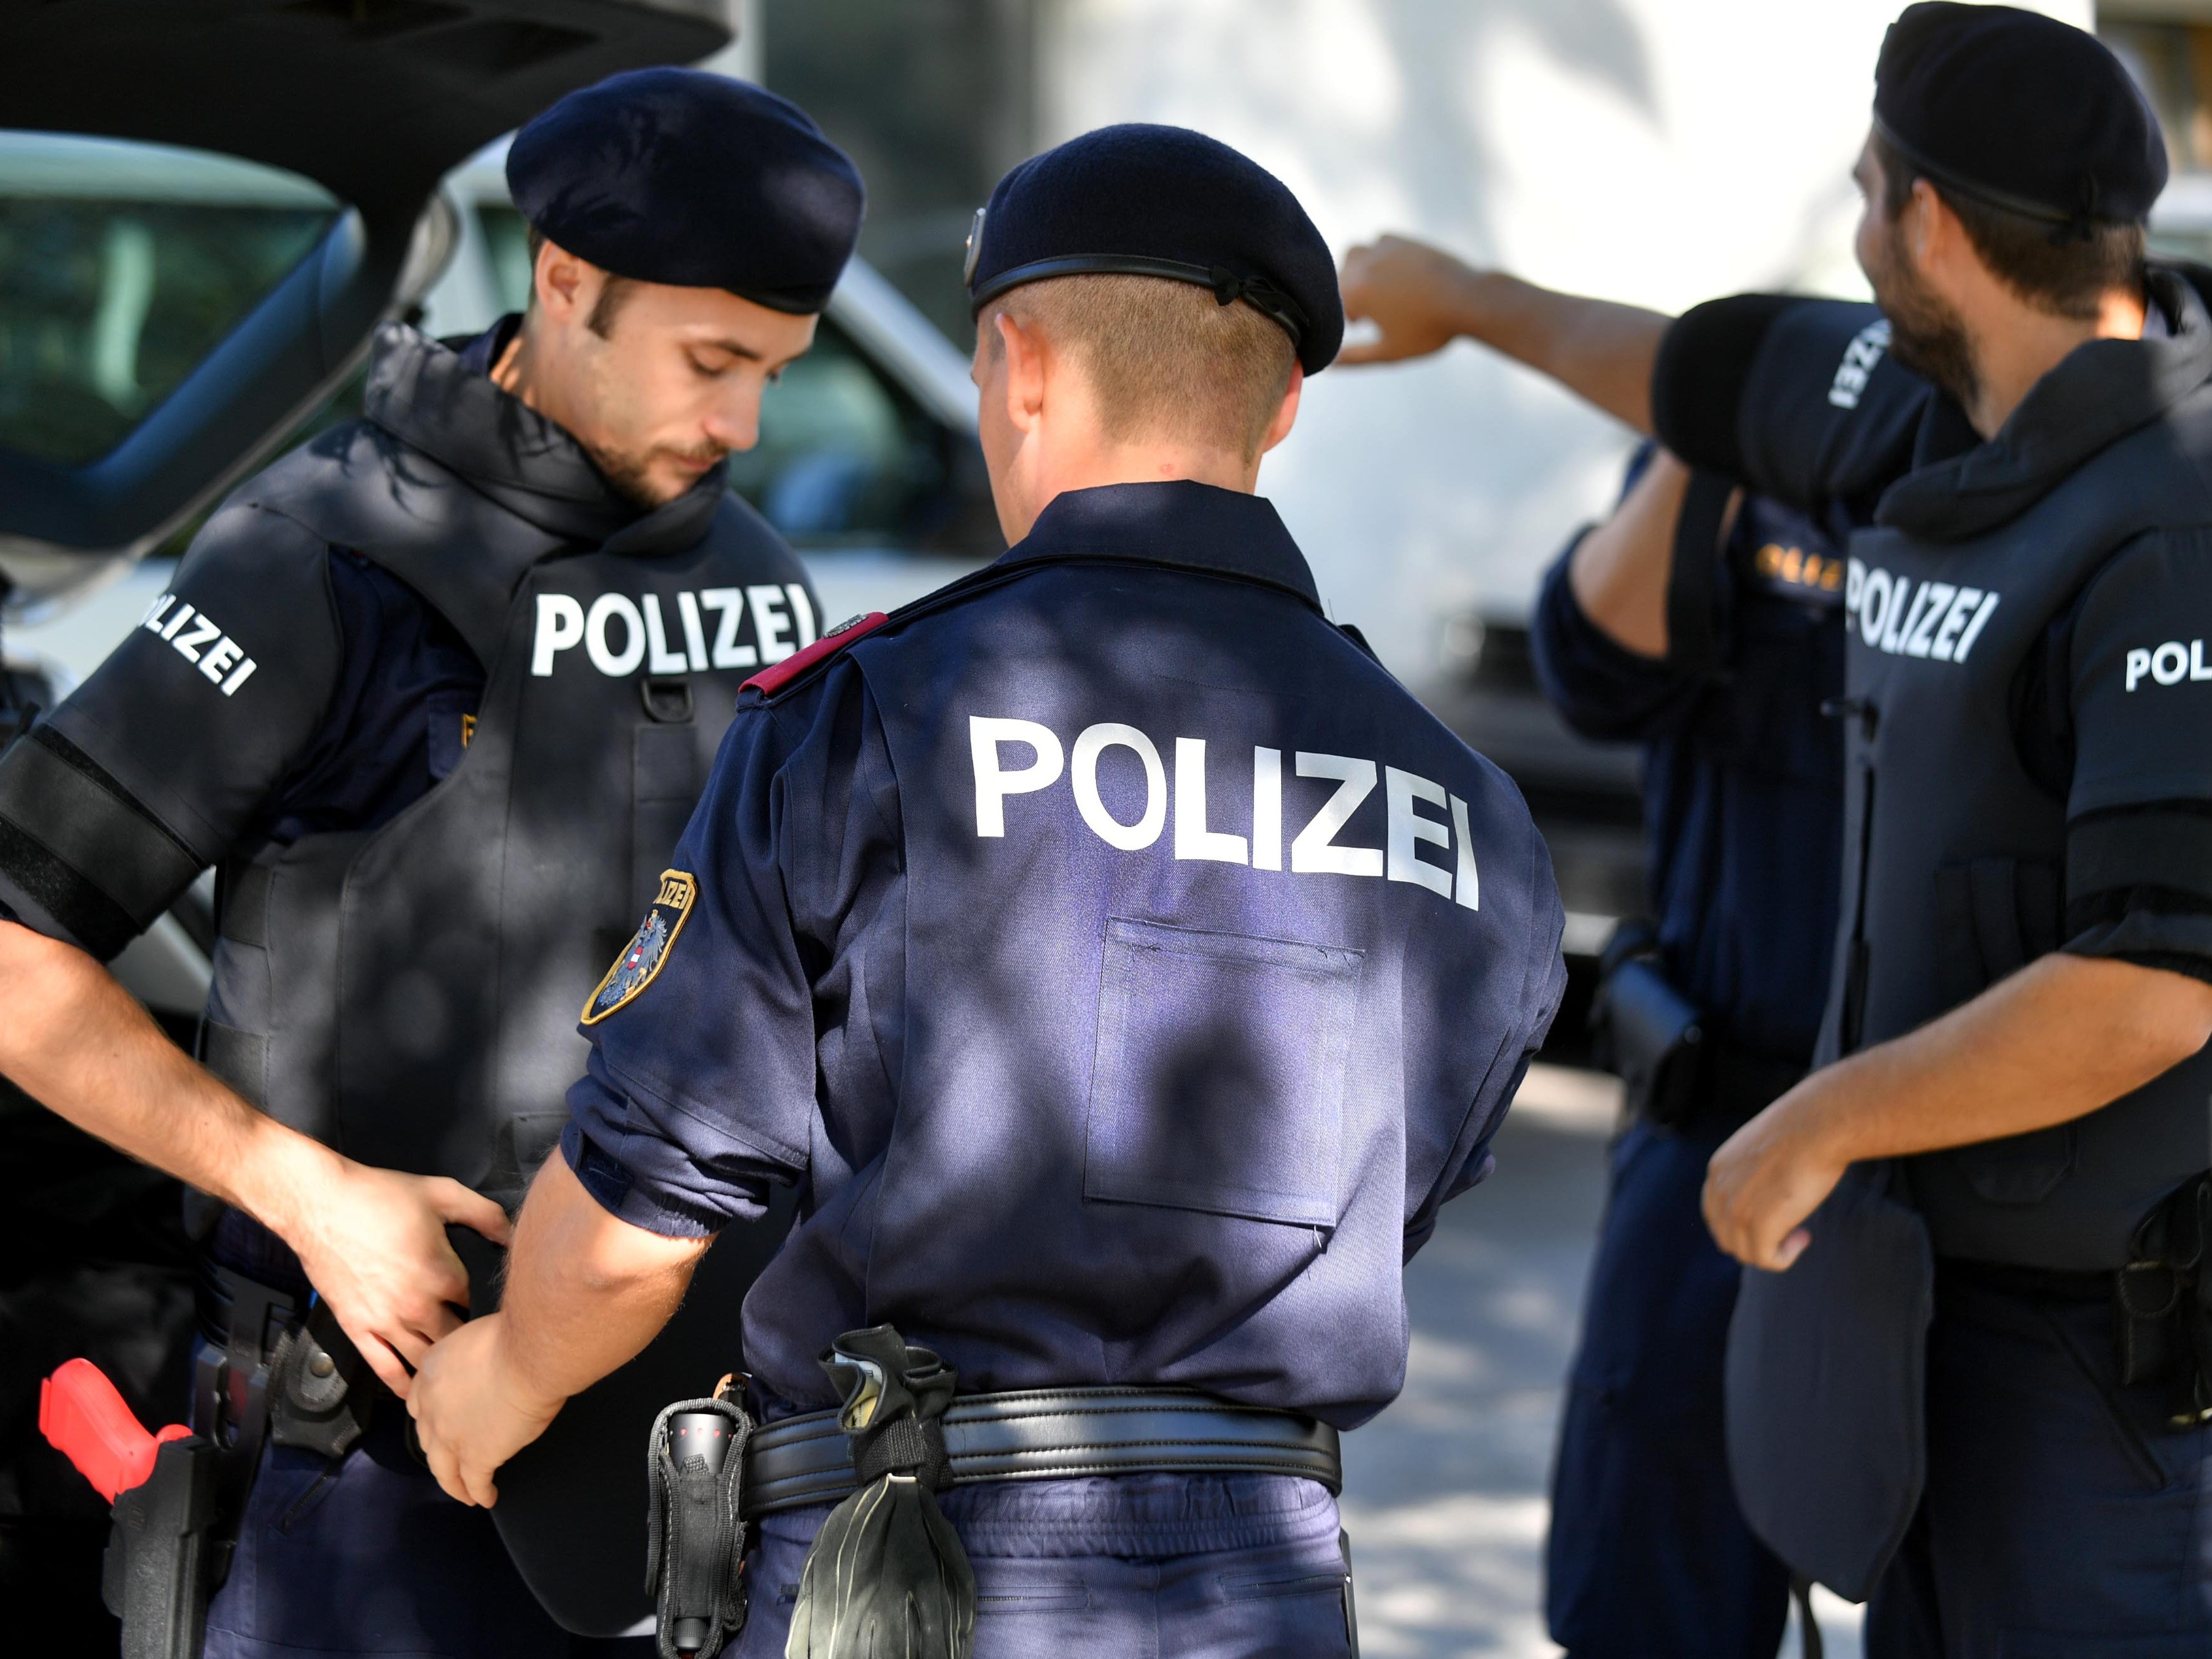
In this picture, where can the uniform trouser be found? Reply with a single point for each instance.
(1148, 1566)
(2062, 1518)
(367, 1556)
(1648, 1556)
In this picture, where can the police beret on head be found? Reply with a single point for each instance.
(1152, 201)
(2018, 111)
(678, 176)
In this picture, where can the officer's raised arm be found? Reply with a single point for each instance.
(108, 810)
(1421, 299)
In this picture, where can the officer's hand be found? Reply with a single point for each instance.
(1417, 297)
(373, 1243)
(472, 1411)
(1767, 1177)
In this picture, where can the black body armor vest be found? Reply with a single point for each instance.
(1955, 854)
(410, 995)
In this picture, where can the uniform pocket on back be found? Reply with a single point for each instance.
(1219, 1078)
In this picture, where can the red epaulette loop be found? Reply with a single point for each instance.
(772, 678)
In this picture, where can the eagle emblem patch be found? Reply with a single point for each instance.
(641, 957)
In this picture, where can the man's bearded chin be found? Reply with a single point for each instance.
(1925, 335)
(632, 474)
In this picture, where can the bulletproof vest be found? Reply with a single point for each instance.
(1955, 854)
(410, 995)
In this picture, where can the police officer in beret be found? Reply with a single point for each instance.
(433, 695)
(1706, 626)
(1968, 1373)
(1124, 966)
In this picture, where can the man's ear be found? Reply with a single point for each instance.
(563, 283)
(1927, 224)
(1286, 412)
(1024, 358)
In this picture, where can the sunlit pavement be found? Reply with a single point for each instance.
(1444, 1493)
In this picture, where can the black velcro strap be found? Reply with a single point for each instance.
(60, 798)
(92, 918)
(1694, 583)
(1704, 365)
(2162, 847)
(906, 1446)
(238, 1058)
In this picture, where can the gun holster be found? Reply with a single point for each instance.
(160, 1554)
(1649, 1035)
(695, 1546)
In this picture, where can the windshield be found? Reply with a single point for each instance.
(122, 266)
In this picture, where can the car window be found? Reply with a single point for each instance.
(846, 455)
(122, 266)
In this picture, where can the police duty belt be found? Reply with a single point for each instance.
(1054, 1434)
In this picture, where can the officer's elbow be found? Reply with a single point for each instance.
(2166, 1016)
(42, 980)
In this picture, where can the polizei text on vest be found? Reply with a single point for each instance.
(1905, 618)
(620, 633)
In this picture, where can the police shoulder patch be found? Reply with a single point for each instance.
(642, 956)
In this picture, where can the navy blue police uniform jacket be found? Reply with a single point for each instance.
(1123, 965)
(1743, 774)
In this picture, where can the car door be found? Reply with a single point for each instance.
(206, 210)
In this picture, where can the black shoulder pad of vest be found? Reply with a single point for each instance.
(777, 678)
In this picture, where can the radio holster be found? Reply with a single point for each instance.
(1648, 1033)
(2162, 1312)
(695, 1544)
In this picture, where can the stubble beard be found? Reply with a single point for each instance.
(1926, 335)
(632, 476)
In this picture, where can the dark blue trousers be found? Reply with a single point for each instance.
(367, 1556)
(1648, 1556)
(2063, 1518)
(1148, 1567)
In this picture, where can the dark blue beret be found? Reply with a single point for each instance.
(2019, 111)
(1152, 201)
(678, 176)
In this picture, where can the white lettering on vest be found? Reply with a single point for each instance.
(1932, 620)
(769, 622)
(2168, 665)
(731, 604)
(782, 621)
(604, 656)
(199, 640)
(1860, 357)
(695, 632)
(658, 659)
(560, 625)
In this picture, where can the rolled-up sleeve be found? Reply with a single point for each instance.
(700, 1088)
(2139, 808)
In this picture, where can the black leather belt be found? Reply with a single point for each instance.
(1054, 1434)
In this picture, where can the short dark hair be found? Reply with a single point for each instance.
(2058, 268)
(615, 290)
